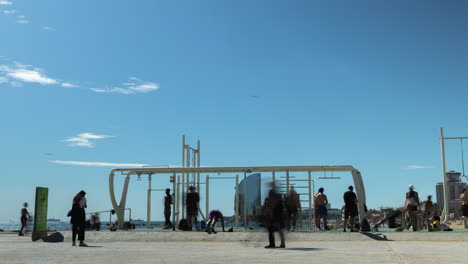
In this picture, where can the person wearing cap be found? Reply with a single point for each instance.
(412, 206)
(78, 218)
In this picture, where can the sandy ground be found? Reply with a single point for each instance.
(189, 248)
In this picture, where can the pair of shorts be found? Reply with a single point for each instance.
(465, 210)
(351, 211)
(321, 210)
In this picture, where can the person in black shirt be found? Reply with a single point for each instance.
(167, 209)
(192, 207)
(351, 209)
(412, 207)
(273, 211)
(24, 218)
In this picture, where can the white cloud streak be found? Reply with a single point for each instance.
(22, 21)
(133, 86)
(9, 12)
(415, 167)
(48, 28)
(32, 76)
(4, 2)
(98, 164)
(85, 140)
(69, 85)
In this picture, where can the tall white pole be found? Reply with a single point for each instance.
(148, 209)
(445, 212)
(245, 200)
(207, 195)
(237, 201)
(198, 165)
(183, 178)
(310, 199)
(178, 198)
(174, 199)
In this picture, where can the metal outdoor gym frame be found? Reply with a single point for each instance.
(173, 172)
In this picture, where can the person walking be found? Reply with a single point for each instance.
(351, 208)
(24, 219)
(412, 206)
(320, 202)
(428, 208)
(273, 210)
(293, 204)
(78, 218)
(167, 209)
(192, 203)
(464, 206)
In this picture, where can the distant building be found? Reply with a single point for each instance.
(253, 187)
(455, 187)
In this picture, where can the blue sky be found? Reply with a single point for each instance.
(364, 83)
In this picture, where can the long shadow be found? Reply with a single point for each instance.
(378, 237)
(303, 249)
(93, 247)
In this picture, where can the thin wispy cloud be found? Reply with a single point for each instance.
(9, 12)
(415, 167)
(69, 85)
(85, 140)
(98, 164)
(19, 73)
(4, 2)
(132, 86)
(48, 28)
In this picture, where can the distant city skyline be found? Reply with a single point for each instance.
(86, 86)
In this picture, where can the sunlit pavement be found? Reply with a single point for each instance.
(14, 249)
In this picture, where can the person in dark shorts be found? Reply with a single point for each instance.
(412, 207)
(24, 218)
(273, 213)
(320, 202)
(293, 204)
(167, 209)
(351, 208)
(78, 218)
(464, 206)
(428, 208)
(192, 203)
(213, 218)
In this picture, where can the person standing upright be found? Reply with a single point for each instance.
(320, 202)
(24, 219)
(428, 208)
(464, 206)
(167, 209)
(412, 206)
(78, 218)
(192, 203)
(273, 211)
(293, 204)
(351, 208)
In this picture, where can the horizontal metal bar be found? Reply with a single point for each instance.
(219, 178)
(291, 180)
(135, 171)
(304, 200)
(331, 178)
(287, 176)
(455, 137)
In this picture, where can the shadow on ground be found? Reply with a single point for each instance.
(303, 249)
(378, 237)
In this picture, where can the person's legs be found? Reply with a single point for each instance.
(23, 225)
(271, 237)
(81, 233)
(294, 218)
(74, 233)
(281, 234)
(325, 226)
(414, 219)
(465, 221)
(427, 220)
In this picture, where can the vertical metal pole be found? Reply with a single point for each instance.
(245, 200)
(178, 198)
(183, 197)
(207, 209)
(310, 199)
(273, 177)
(198, 165)
(174, 192)
(237, 201)
(148, 209)
(183, 178)
(445, 212)
(287, 181)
